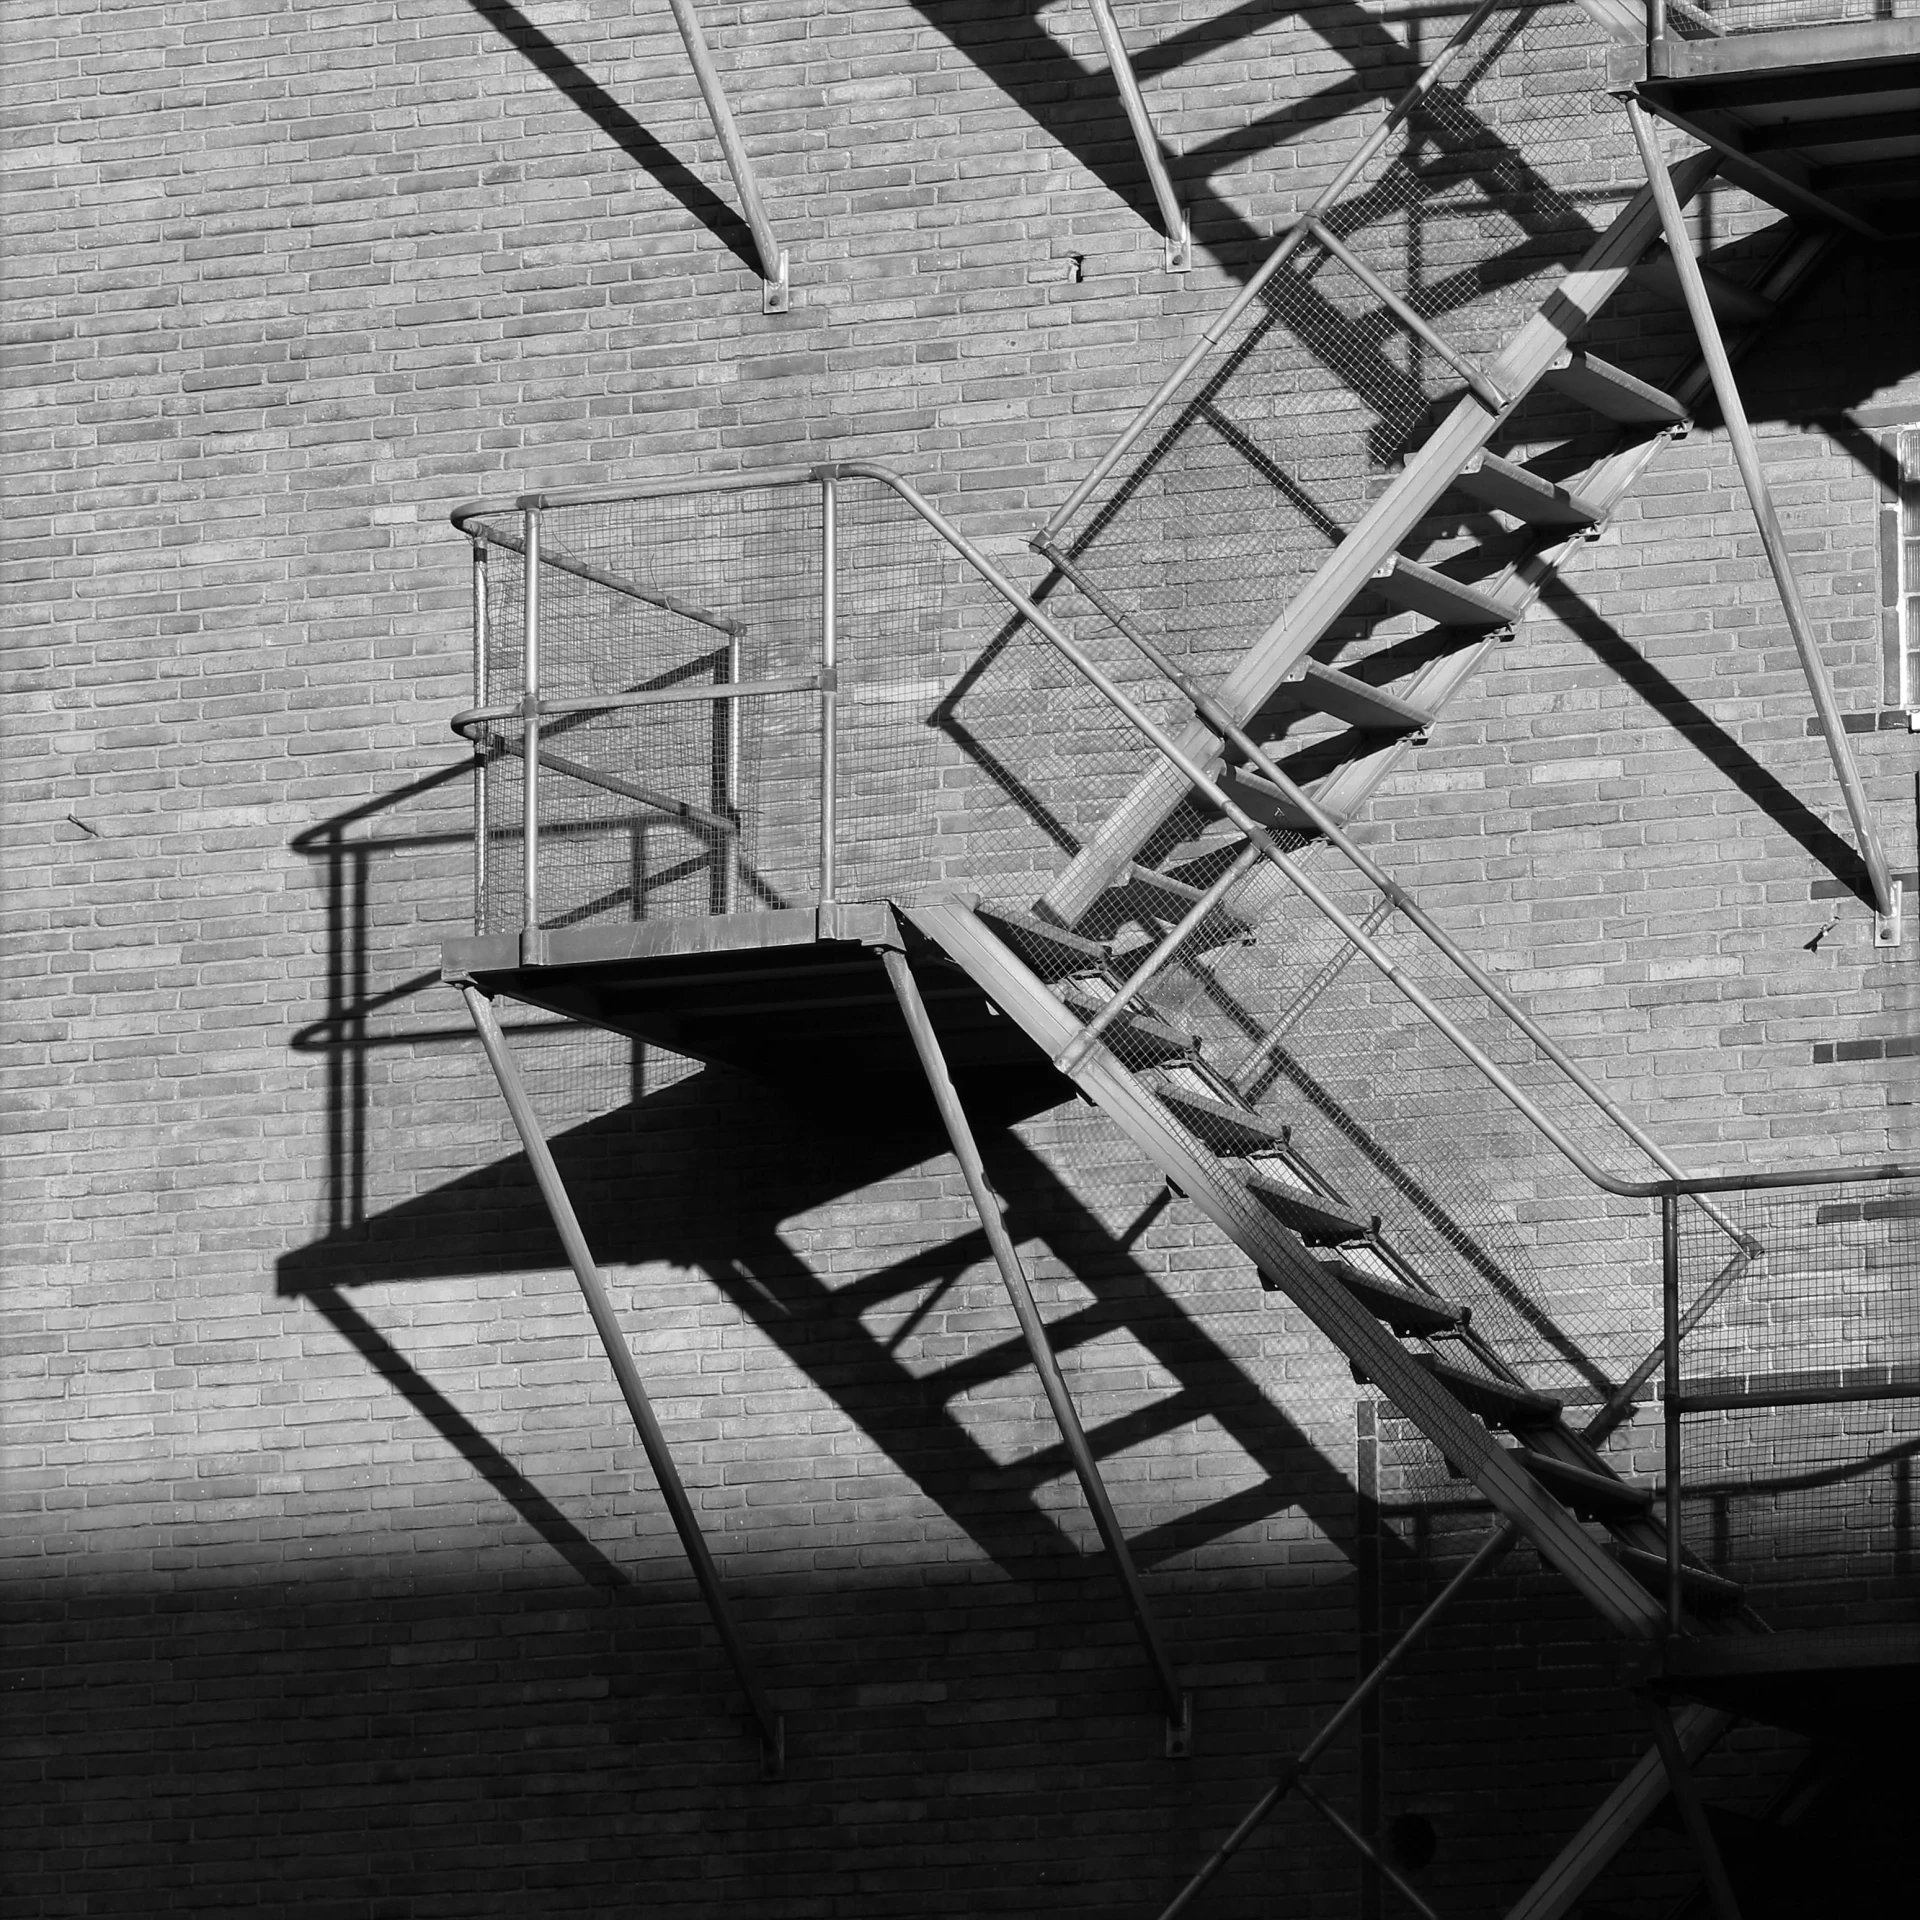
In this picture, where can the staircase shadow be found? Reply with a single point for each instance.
(704, 1174)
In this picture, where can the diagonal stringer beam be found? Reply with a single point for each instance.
(1347, 571)
(1613, 1592)
(593, 1288)
(926, 1044)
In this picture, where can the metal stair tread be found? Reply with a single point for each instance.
(1324, 689)
(1737, 305)
(1704, 1590)
(1407, 1312)
(1611, 391)
(1266, 803)
(1050, 951)
(1598, 1496)
(1221, 1127)
(1498, 1402)
(1318, 1220)
(1525, 494)
(1425, 590)
(1135, 1022)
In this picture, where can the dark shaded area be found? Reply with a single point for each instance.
(554, 63)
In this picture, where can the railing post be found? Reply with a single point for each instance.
(1670, 1394)
(531, 945)
(726, 802)
(829, 691)
(484, 752)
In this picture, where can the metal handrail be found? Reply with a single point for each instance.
(1677, 1182)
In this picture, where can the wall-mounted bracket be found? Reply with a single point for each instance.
(1173, 216)
(1887, 925)
(1180, 246)
(775, 295)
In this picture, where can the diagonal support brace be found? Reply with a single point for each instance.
(933, 1063)
(1173, 217)
(686, 1523)
(1773, 535)
(773, 259)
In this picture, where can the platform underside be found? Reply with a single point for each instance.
(1817, 120)
(1829, 1683)
(795, 995)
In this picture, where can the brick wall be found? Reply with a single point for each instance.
(336, 1578)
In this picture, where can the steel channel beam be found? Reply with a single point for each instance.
(773, 260)
(1773, 535)
(1006, 1256)
(1686, 1793)
(593, 1289)
(1173, 218)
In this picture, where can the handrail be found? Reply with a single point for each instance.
(1169, 749)
(1291, 236)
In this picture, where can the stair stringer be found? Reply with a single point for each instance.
(1284, 1259)
(1376, 535)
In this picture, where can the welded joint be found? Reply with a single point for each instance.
(533, 946)
(1887, 926)
(776, 295)
(1180, 1732)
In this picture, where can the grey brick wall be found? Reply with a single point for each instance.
(336, 1581)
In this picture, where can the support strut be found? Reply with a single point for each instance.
(1773, 536)
(773, 259)
(686, 1523)
(986, 1202)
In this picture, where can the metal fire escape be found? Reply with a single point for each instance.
(1124, 974)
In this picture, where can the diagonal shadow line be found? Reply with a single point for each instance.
(554, 63)
(1807, 1482)
(469, 1442)
(1705, 734)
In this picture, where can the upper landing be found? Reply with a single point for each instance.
(1816, 114)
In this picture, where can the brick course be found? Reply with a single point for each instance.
(335, 1577)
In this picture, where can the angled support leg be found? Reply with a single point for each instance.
(1616, 1820)
(1173, 218)
(986, 1202)
(1773, 537)
(1362, 1846)
(773, 260)
(1687, 1795)
(580, 1258)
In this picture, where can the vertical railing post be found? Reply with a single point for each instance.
(729, 807)
(483, 751)
(531, 945)
(829, 689)
(1670, 1393)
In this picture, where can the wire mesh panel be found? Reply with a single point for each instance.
(716, 732)
(1812, 1488)
(1272, 448)
(1707, 19)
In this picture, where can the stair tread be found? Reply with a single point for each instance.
(1400, 1307)
(1131, 1029)
(1049, 950)
(1177, 899)
(1706, 1590)
(1736, 304)
(1525, 494)
(1222, 1126)
(1425, 590)
(1358, 702)
(1318, 1220)
(1585, 1489)
(1266, 803)
(1611, 391)
(1499, 1402)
